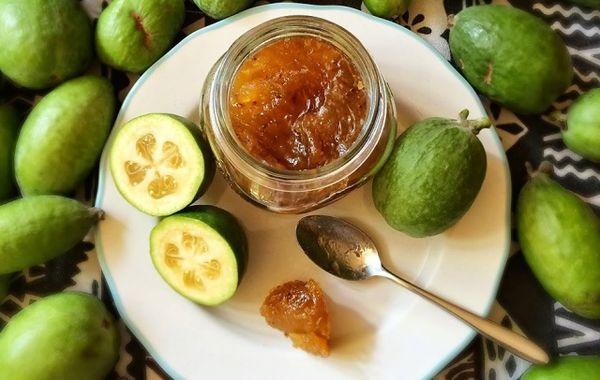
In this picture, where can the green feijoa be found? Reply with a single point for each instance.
(36, 229)
(44, 42)
(9, 128)
(160, 163)
(63, 136)
(65, 336)
(219, 9)
(132, 34)
(201, 253)
(433, 175)
(582, 132)
(560, 239)
(387, 8)
(4, 284)
(566, 368)
(511, 56)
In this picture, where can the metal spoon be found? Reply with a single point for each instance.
(346, 252)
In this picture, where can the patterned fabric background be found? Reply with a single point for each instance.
(521, 303)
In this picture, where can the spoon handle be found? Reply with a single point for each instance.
(512, 341)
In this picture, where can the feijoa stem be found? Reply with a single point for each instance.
(98, 212)
(473, 125)
(545, 167)
(560, 118)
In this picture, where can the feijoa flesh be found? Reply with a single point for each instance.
(38, 228)
(433, 175)
(9, 129)
(43, 43)
(560, 239)
(64, 336)
(201, 253)
(160, 163)
(63, 136)
(582, 132)
(132, 34)
(511, 56)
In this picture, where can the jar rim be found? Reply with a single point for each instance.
(268, 32)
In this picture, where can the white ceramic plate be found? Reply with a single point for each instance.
(380, 331)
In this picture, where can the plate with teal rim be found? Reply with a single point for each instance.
(379, 331)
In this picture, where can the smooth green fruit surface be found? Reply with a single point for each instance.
(432, 177)
(582, 134)
(566, 368)
(219, 9)
(511, 56)
(36, 229)
(132, 34)
(387, 8)
(9, 129)
(63, 136)
(43, 42)
(560, 239)
(201, 253)
(67, 336)
(160, 163)
(4, 284)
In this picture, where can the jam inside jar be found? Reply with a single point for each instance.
(297, 103)
(297, 114)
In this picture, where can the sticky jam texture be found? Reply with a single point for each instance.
(298, 103)
(298, 309)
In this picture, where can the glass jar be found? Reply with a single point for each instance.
(297, 191)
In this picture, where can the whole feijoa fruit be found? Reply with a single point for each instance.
(511, 56)
(582, 132)
(433, 175)
(219, 9)
(132, 34)
(560, 239)
(64, 336)
(39, 228)
(387, 8)
(63, 136)
(43, 43)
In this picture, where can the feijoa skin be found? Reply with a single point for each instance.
(132, 34)
(511, 56)
(63, 136)
(582, 133)
(68, 335)
(566, 368)
(44, 42)
(560, 239)
(219, 9)
(39, 228)
(433, 175)
(387, 8)
(9, 129)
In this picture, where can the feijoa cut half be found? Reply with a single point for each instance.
(201, 253)
(160, 163)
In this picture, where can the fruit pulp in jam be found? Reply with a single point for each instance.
(297, 103)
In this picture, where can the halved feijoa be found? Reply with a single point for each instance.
(201, 253)
(160, 163)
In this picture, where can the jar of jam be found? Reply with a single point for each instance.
(297, 114)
